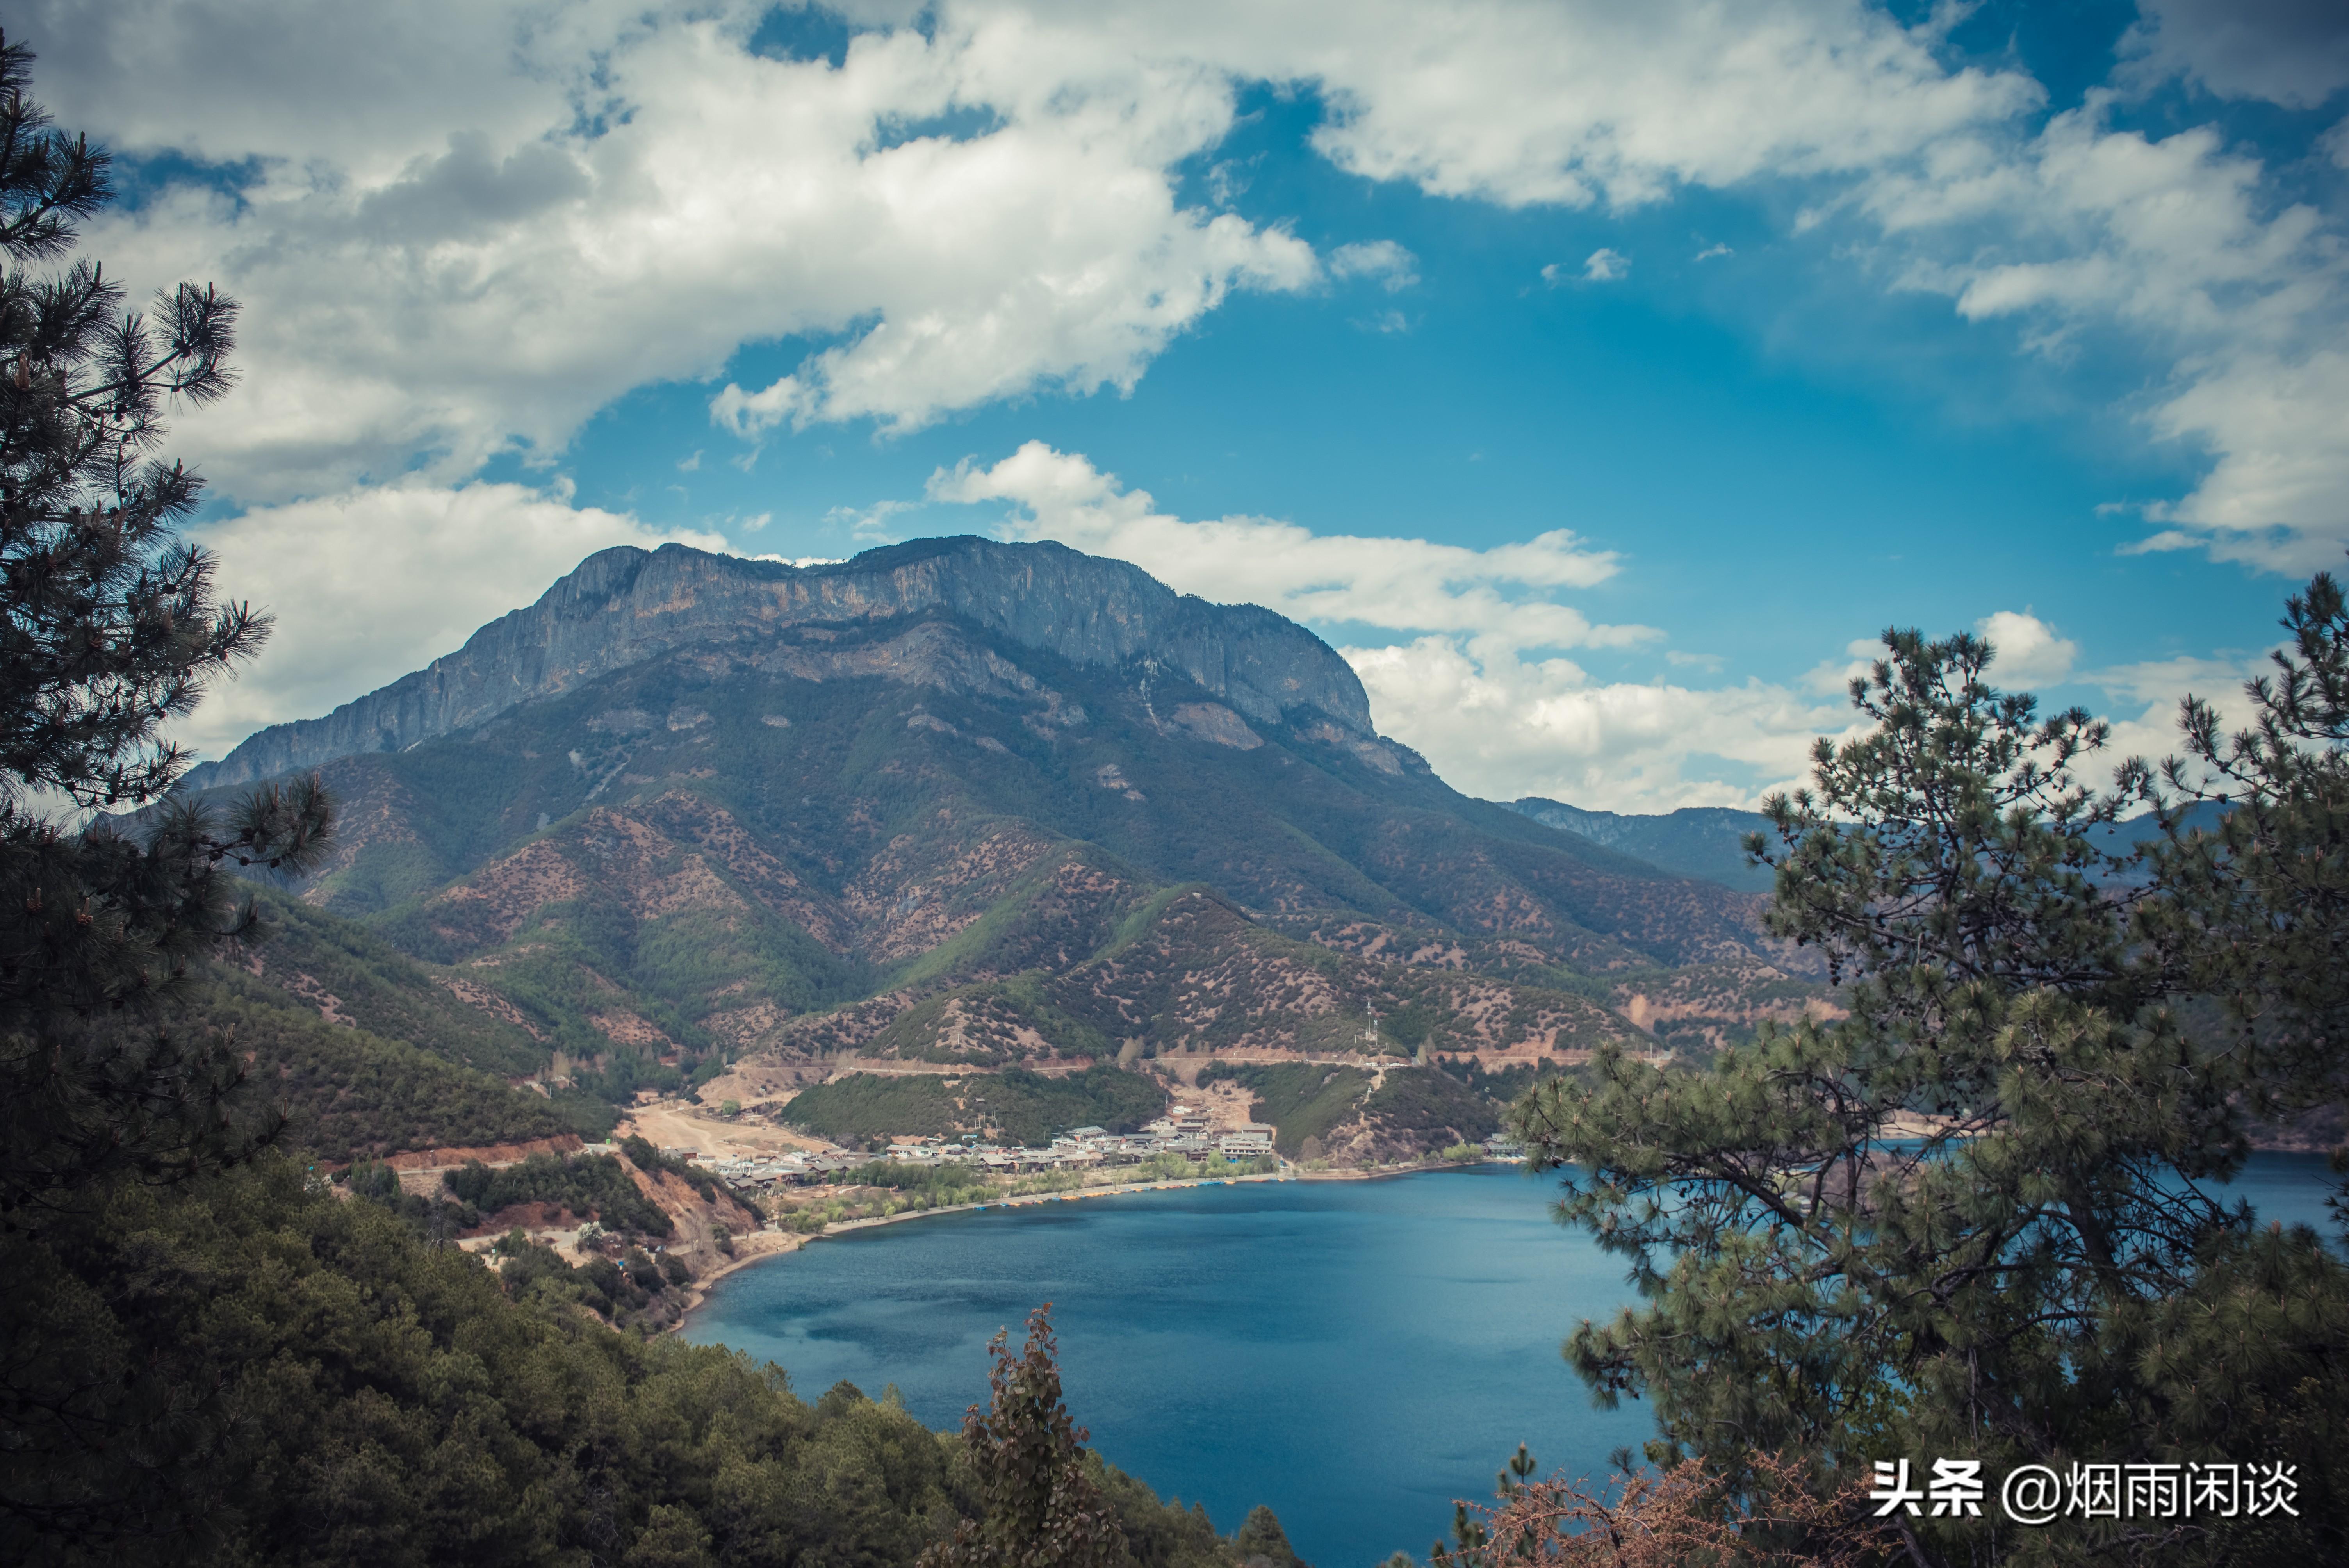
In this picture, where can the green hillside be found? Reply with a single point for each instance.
(1317, 1108)
(318, 961)
(369, 1052)
(282, 1375)
(351, 1094)
(1014, 1106)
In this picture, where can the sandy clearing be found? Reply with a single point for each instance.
(672, 1124)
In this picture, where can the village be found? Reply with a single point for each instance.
(1184, 1131)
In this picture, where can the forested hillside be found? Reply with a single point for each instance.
(284, 1375)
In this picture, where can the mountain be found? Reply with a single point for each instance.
(623, 606)
(1706, 841)
(1709, 842)
(967, 805)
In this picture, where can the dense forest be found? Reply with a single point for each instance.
(249, 1368)
(352, 1094)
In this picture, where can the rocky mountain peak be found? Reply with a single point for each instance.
(622, 607)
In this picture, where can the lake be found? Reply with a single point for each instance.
(1355, 1353)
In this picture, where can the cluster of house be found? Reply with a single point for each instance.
(1181, 1131)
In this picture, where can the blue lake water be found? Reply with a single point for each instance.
(1356, 1354)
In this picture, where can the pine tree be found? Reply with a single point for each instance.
(110, 627)
(2255, 906)
(1039, 1506)
(1979, 1217)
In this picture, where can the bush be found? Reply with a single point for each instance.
(587, 1186)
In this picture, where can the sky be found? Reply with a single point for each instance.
(1600, 379)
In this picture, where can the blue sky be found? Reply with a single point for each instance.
(1800, 320)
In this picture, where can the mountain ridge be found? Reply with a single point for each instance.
(1706, 841)
(623, 606)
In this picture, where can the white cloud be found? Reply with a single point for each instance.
(1393, 266)
(370, 585)
(1835, 676)
(462, 226)
(1398, 584)
(2152, 691)
(1525, 104)
(2029, 654)
(2180, 245)
(1502, 728)
(611, 196)
(871, 525)
(1716, 250)
(752, 414)
(2278, 495)
(1604, 266)
(1601, 267)
(2183, 248)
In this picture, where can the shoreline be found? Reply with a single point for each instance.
(794, 1242)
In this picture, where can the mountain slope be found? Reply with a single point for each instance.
(1706, 841)
(958, 802)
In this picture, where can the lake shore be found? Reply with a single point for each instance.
(781, 1244)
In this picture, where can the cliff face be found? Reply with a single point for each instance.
(625, 605)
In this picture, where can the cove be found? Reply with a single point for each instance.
(1354, 1353)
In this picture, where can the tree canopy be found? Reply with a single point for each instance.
(1981, 1215)
(110, 627)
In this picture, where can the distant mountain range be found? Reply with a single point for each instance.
(974, 806)
(1706, 841)
(1709, 842)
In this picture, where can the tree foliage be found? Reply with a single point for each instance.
(1980, 1215)
(109, 627)
(245, 1369)
(1666, 1519)
(2256, 905)
(584, 1186)
(1038, 1504)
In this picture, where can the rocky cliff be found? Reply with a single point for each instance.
(625, 605)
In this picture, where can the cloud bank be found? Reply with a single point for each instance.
(1496, 596)
(460, 230)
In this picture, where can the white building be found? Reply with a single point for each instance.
(1252, 1139)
